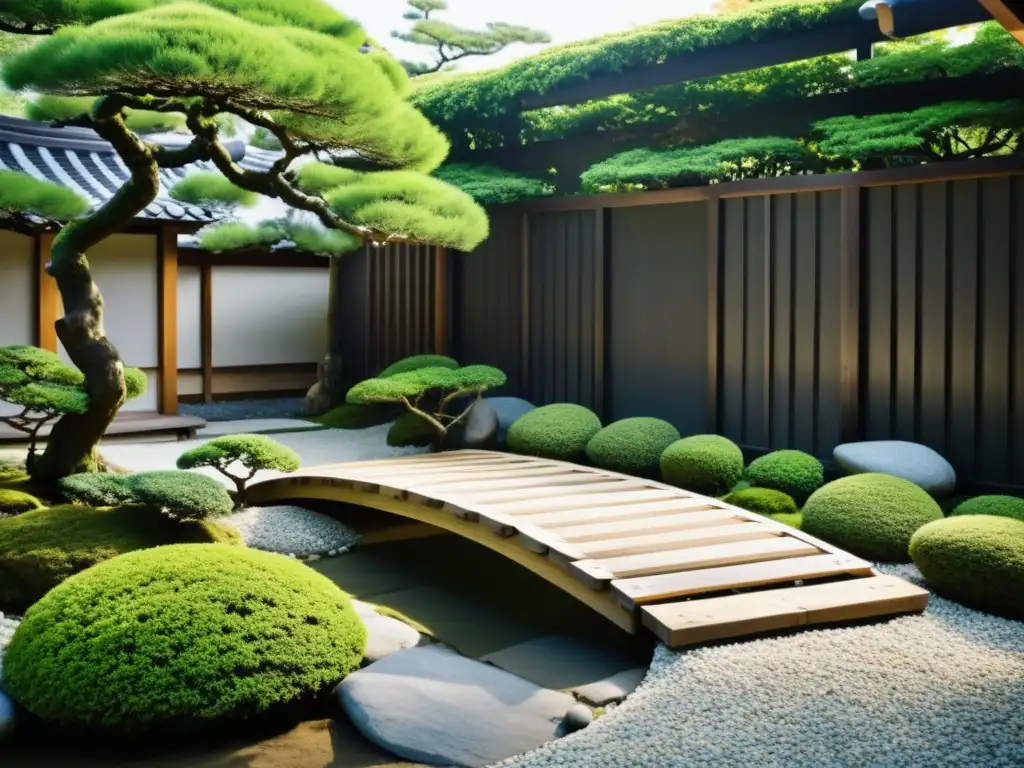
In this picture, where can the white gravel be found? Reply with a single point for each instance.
(7, 626)
(942, 690)
(295, 531)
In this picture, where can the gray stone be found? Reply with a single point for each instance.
(508, 410)
(430, 705)
(577, 718)
(385, 635)
(917, 463)
(480, 426)
(593, 674)
(6, 717)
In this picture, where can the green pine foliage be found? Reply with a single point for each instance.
(416, 362)
(263, 139)
(706, 464)
(632, 446)
(795, 473)
(41, 548)
(211, 189)
(490, 185)
(50, 108)
(21, 194)
(252, 452)
(1000, 506)
(183, 639)
(559, 431)
(237, 235)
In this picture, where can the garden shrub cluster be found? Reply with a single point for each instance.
(705, 464)
(1000, 506)
(180, 495)
(632, 446)
(252, 452)
(41, 548)
(560, 431)
(870, 515)
(795, 473)
(182, 638)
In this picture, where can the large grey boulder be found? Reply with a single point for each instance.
(430, 705)
(6, 717)
(508, 409)
(385, 636)
(479, 429)
(911, 461)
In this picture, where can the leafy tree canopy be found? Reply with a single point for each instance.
(211, 188)
(490, 185)
(21, 194)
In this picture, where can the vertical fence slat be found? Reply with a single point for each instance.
(964, 323)
(805, 321)
(905, 298)
(933, 311)
(781, 321)
(993, 454)
(851, 228)
(714, 326)
(733, 312)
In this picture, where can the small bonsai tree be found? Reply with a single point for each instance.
(46, 388)
(253, 452)
(412, 388)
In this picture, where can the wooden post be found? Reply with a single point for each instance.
(47, 296)
(1009, 13)
(167, 320)
(714, 259)
(849, 313)
(206, 326)
(440, 300)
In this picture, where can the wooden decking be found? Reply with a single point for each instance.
(126, 424)
(691, 569)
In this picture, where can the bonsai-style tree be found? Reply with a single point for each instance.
(253, 452)
(451, 43)
(428, 392)
(46, 388)
(291, 67)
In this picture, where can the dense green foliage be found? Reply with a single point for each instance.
(490, 185)
(263, 139)
(21, 193)
(17, 502)
(180, 495)
(977, 560)
(1000, 506)
(355, 416)
(409, 430)
(237, 235)
(96, 489)
(416, 362)
(48, 108)
(763, 501)
(182, 638)
(211, 188)
(560, 431)
(706, 464)
(252, 452)
(41, 548)
(795, 473)
(632, 446)
(871, 515)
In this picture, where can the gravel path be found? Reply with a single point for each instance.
(942, 690)
(295, 531)
(230, 410)
(7, 626)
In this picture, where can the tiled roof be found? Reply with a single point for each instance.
(79, 159)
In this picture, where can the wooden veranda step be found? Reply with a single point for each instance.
(635, 550)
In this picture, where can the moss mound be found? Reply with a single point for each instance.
(356, 416)
(977, 560)
(17, 502)
(871, 515)
(185, 496)
(182, 638)
(560, 431)
(1000, 506)
(795, 520)
(632, 446)
(417, 362)
(40, 549)
(410, 430)
(763, 501)
(795, 473)
(707, 464)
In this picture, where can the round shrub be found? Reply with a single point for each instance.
(39, 549)
(17, 502)
(361, 416)
(416, 362)
(977, 560)
(410, 430)
(795, 473)
(254, 452)
(560, 431)
(763, 501)
(871, 515)
(707, 464)
(1000, 506)
(632, 446)
(97, 489)
(181, 495)
(182, 638)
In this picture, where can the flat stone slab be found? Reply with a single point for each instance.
(594, 674)
(433, 706)
(255, 427)
(911, 461)
(385, 636)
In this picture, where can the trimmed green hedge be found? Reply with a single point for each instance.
(795, 473)
(977, 560)
(559, 431)
(17, 502)
(763, 501)
(418, 362)
(871, 515)
(39, 549)
(632, 446)
(182, 638)
(1000, 506)
(707, 464)
(181, 495)
(97, 489)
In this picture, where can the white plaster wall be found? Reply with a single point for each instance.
(269, 315)
(190, 330)
(17, 290)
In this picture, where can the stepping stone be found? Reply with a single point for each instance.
(911, 461)
(385, 636)
(593, 674)
(433, 706)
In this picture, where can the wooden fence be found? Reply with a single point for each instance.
(792, 312)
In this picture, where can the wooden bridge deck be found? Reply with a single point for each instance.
(691, 569)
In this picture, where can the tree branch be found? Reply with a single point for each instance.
(426, 416)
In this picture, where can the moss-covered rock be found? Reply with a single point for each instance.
(358, 416)
(707, 464)
(40, 549)
(795, 473)
(870, 515)
(410, 430)
(559, 431)
(763, 501)
(17, 502)
(182, 638)
(977, 560)
(1000, 506)
(632, 446)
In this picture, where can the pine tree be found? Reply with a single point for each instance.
(451, 43)
(291, 67)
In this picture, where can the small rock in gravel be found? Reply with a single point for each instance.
(577, 718)
(295, 531)
(385, 635)
(911, 461)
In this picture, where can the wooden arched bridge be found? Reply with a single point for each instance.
(692, 569)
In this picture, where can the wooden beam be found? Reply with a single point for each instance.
(440, 300)
(47, 296)
(1009, 13)
(849, 313)
(167, 320)
(206, 328)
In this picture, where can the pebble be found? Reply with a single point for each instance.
(298, 532)
(577, 718)
(8, 624)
